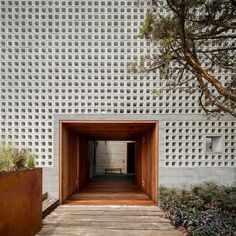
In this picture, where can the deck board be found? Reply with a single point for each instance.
(107, 220)
(110, 190)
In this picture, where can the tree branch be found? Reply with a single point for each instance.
(213, 101)
(204, 74)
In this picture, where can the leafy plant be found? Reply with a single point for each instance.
(19, 157)
(210, 223)
(30, 161)
(13, 159)
(206, 209)
(6, 158)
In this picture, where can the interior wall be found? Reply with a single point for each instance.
(111, 154)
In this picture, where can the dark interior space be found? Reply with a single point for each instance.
(130, 157)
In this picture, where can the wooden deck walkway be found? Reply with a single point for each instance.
(106, 221)
(115, 189)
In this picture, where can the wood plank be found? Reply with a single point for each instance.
(85, 219)
(74, 230)
(48, 206)
(110, 190)
(44, 196)
(143, 209)
(114, 225)
(107, 220)
(50, 230)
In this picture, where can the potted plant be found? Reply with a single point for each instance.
(20, 192)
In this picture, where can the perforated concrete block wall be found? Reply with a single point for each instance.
(64, 57)
(186, 144)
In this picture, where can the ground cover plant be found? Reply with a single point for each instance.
(204, 210)
(14, 159)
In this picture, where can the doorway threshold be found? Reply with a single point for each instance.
(117, 190)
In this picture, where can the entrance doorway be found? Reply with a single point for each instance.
(78, 177)
(130, 157)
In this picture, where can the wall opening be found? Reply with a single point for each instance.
(111, 159)
(131, 157)
(213, 144)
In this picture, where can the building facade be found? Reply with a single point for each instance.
(67, 59)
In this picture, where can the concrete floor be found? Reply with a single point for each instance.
(106, 221)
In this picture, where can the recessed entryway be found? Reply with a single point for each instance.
(134, 181)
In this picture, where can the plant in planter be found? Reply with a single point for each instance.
(20, 192)
(6, 158)
(30, 161)
(15, 159)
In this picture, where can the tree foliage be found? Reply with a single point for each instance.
(195, 42)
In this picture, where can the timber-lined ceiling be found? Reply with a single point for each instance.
(111, 130)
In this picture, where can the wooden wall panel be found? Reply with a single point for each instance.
(83, 162)
(151, 165)
(149, 169)
(72, 162)
(146, 162)
(138, 161)
(63, 163)
(155, 152)
(68, 163)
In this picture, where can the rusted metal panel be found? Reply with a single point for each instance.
(21, 202)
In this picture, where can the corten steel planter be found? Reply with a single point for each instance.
(21, 202)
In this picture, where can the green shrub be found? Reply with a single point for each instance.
(221, 199)
(6, 158)
(14, 159)
(30, 161)
(206, 209)
(19, 157)
(180, 198)
(211, 223)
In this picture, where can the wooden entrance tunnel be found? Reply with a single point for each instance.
(74, 154)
